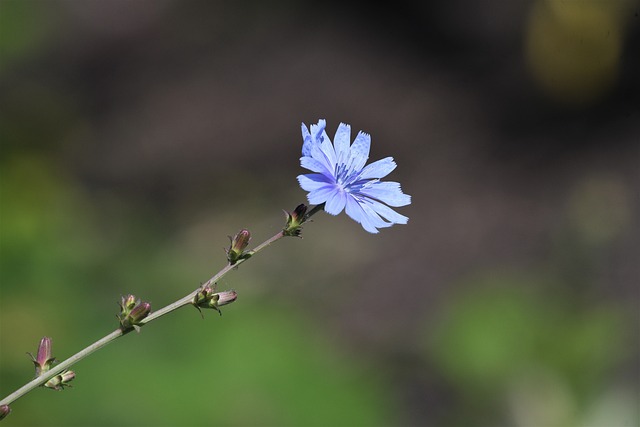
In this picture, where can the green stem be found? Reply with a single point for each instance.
(118, 332)
(187, 299)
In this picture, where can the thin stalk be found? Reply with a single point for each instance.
(187, 299)
(313, 211)
(119, 332)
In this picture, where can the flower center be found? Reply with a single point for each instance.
(345, 176)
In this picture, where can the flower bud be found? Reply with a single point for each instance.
(239, 243)
(132, 318)
(43, 361)
(4, 411)
(206, 297)
(204, 294)
(226, 297)
(222, 298)
(295, 220)
(128, 303)
(141, 311)
(60, 381)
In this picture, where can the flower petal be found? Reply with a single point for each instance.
(359, 152)
(306, 141)
(335, 203)
(329, 152)
(355, 211)
(321, 194)
(318, 154)
(365, 215)
(313, 181)
(374, 218)
(317, 130)
(378, 169)
(388, 192)
(315, 166)
(341, 142)
(386, 212)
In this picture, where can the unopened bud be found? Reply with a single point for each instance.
(226, 297)
(203, 295)
(295, 220)
(132, 318)
(222, 298)
(4, 411)
(128, 303)
(141, 311)
(206, 297)
(43, 361)
(239, 243)
(60, 381)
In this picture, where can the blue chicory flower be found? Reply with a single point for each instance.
(342, 181)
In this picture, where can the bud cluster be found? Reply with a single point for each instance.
(207, 297)
(43, 362)
(132, 312)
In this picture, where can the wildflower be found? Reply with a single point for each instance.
(43, 360)
(342, 181)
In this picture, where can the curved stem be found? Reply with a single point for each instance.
(119, 332)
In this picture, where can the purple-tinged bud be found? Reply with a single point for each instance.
(43, 361)
(141, 311)
(134, 318)
(4, 411)
(295, 220)
(60, 381)
(226, 297)
(222, 298)
(239, 243)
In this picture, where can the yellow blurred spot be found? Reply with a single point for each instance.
(573, 48)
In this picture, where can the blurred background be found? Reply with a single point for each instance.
(137, 135)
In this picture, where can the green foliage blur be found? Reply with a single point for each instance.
(502, 337)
